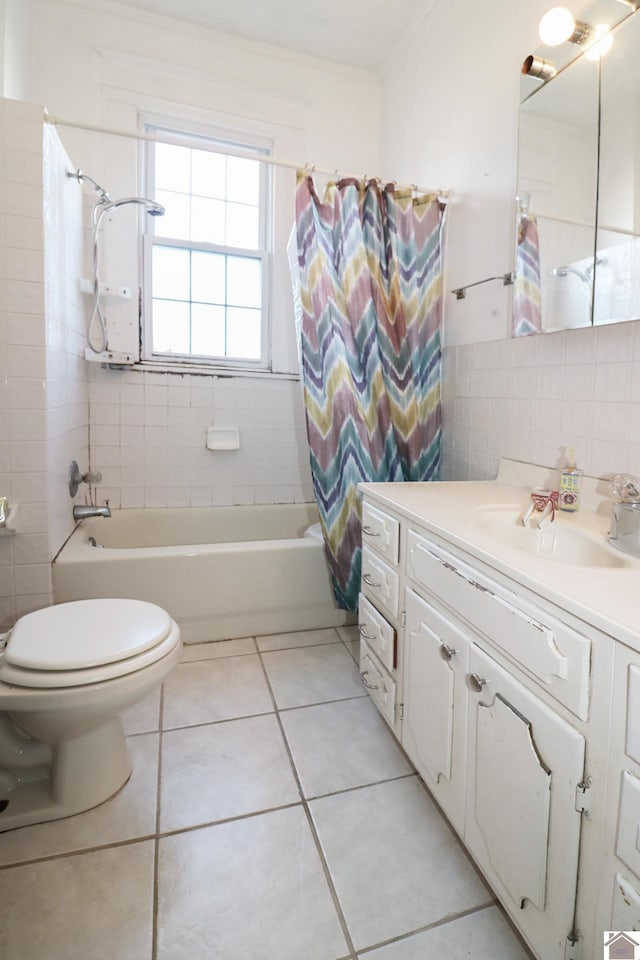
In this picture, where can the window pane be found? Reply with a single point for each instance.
(244, 282)
(207, 330)
(170, 327)
(243, 180)
(175, 223)
(172, 168)
(170, 273)
(207, 277)
(207, 220)
(242, 226)
(243, 333)
(208, 174)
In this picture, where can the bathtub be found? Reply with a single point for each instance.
(220, 572)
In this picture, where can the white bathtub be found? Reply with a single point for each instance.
(221, 572)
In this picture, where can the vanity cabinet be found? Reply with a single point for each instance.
(502, 702)
(378, 612)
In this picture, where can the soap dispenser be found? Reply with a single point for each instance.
(570, 480)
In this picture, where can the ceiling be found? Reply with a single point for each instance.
(356, 32)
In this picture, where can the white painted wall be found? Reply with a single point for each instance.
(15, 48)
(450, 113)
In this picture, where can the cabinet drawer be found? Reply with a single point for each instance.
(381, 688)
(379, 582)
(377, 633)
(545, 648)
(381, 532)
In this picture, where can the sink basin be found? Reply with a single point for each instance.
(559, 541)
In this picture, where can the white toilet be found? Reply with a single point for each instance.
(65, 676)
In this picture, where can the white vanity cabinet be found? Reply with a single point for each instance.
(434, 726)
(378, 612)
(524, 765)
(505, 723)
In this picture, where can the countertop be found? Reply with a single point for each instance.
(606, 597)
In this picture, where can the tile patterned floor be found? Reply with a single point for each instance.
(270, 816)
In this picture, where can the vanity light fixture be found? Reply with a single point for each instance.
(559, 24)
(536, 67)
(634, 4)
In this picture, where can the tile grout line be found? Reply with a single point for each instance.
(452, 918)
(305, 806)
(156, 845)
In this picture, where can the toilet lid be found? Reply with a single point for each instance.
(86, 633)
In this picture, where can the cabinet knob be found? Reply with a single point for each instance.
(446, 652)
(363, 633)
(369, 686)
(369, 532)
(475, 682)
(370, 583)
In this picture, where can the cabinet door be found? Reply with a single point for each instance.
(434, 724)
(522, 826)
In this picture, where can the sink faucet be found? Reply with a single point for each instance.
(84, 511)
(625, 514)
(542, 501)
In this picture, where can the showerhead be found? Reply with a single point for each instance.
(566, 270)
(152, 208)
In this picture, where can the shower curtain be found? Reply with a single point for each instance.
(527, 299)
(370, 273)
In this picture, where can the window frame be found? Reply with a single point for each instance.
(230, 143)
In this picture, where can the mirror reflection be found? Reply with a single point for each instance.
(578, 205)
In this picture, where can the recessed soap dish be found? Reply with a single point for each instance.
(223, 438)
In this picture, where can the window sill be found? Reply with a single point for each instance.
(211, 370)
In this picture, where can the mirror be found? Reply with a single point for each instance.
(578, 205)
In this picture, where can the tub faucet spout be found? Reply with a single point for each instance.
(83, 511)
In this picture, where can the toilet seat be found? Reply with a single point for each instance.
(86, 641)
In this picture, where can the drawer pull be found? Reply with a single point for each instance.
(446, 652)
(369, 532)
(369, 686)
(475, 682)
(365, 635)
(369, 582)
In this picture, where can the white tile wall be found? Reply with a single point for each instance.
(43, 390)
(531, 398)
(67, 399)
(148, 433)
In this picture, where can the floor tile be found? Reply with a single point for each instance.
(144, 716)
(207, 691)
(349, 634)
(388, 845)
(224, 770)
(474, 937)
(131, 813)
(217, 648)
(353, 646)
(340, 745)
(312, 675)
(302, 638)
(89, 905)
(251, 889)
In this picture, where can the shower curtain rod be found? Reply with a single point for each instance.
(443, 195)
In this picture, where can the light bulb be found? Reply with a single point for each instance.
(602, 42)
(556, 26)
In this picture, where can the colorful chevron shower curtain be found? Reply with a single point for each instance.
(370, 271)
(527, 299)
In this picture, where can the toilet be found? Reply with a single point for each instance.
(66, 674)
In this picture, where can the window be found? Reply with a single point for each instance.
(206, 258)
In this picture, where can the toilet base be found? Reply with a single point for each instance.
(83, 773)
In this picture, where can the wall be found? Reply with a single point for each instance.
(106, 63)
(35, 359)
(529, 398)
